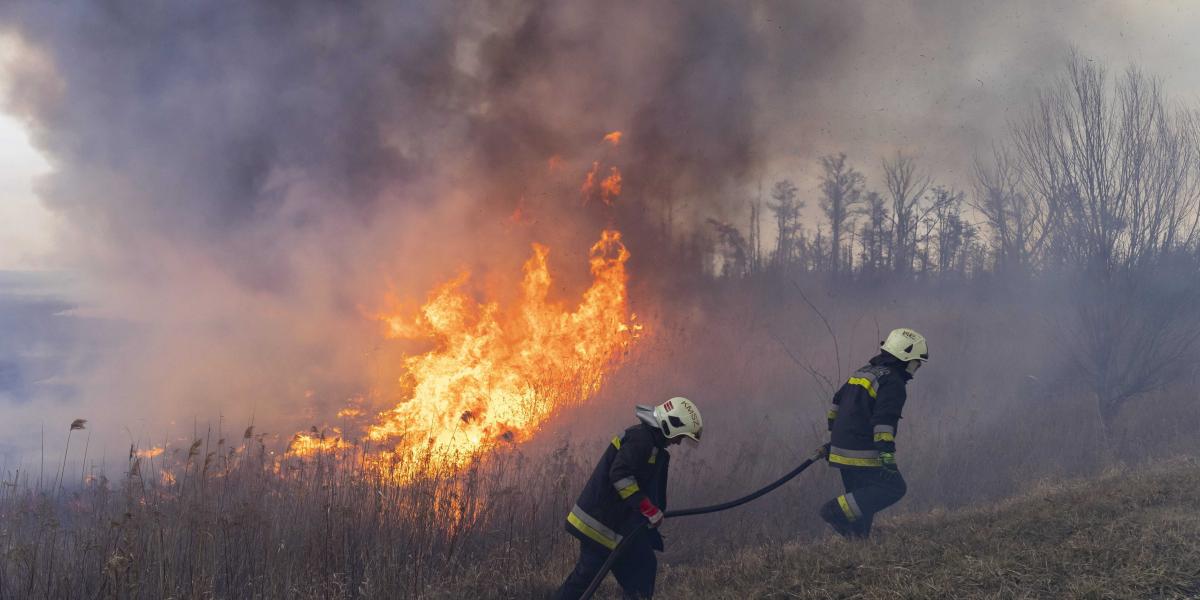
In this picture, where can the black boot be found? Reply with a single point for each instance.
(831, 513)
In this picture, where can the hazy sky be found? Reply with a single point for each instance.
(243, 178)
(25, 225)
(952, 74)
(943, 79)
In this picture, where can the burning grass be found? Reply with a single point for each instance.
(214, 517)
(235, 522)
(396, 504)
(495, 376)
(226, 520)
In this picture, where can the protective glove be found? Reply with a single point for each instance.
(888, 459)
(651, 512)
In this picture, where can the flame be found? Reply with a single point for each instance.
(314, 442)
(494, 377)
(610, 188)
(607, 190)
(149, 453)
(520, 215)
(589, 181)
(613, 137)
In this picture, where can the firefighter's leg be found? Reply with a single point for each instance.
(636, 569)
(591, 559)
(869, 491)
(853, 480)
(838, 514)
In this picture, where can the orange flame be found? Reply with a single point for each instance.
(314, 442)
(589, 181)
(495, 377)
(613, 138)
(610, 188)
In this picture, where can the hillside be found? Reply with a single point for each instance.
(1123, 535)
(1126, 534)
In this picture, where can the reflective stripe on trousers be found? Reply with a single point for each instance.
(850, 507)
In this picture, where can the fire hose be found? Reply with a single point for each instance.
(701, 510)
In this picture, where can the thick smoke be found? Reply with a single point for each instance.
(244, 182)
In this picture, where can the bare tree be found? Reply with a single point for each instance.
(732, 249)
(786, 207)
(756, 231)
(905, 186)
(841, 191)
(1116, 169)
(874, 233)
(952, 232)
(1129, 335)
(1157, 169)
(1016, 219)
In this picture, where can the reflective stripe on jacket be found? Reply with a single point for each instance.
(634, 466)
(865, 413)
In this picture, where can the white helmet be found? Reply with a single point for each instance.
(675, 417)
(906, 345)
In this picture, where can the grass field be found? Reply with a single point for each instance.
(1126, 534)
(224, 515)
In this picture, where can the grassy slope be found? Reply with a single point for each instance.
(1123, 535)
(1127, 534)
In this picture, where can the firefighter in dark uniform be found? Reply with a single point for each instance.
(629, 487)
(862, 425)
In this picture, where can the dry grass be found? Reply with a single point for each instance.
(1126, 534)
(234, 525)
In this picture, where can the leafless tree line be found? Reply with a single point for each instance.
(913, 227)
(1101, 174)
(1094, 194)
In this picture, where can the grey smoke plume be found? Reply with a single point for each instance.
(244, 181)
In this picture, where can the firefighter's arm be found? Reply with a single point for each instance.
(889, 403)
(832, 413)
(622, 474)
(634, 451)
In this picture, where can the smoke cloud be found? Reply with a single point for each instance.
(245, 182)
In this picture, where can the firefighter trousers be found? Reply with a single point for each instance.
(869, 491)
(635, 570)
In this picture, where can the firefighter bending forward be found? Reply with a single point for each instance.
(628, 487)
(862, 425)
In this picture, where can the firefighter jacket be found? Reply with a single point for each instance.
(634, 466)
(865, 414)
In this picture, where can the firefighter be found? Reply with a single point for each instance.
(862, 425)
(629, 487)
